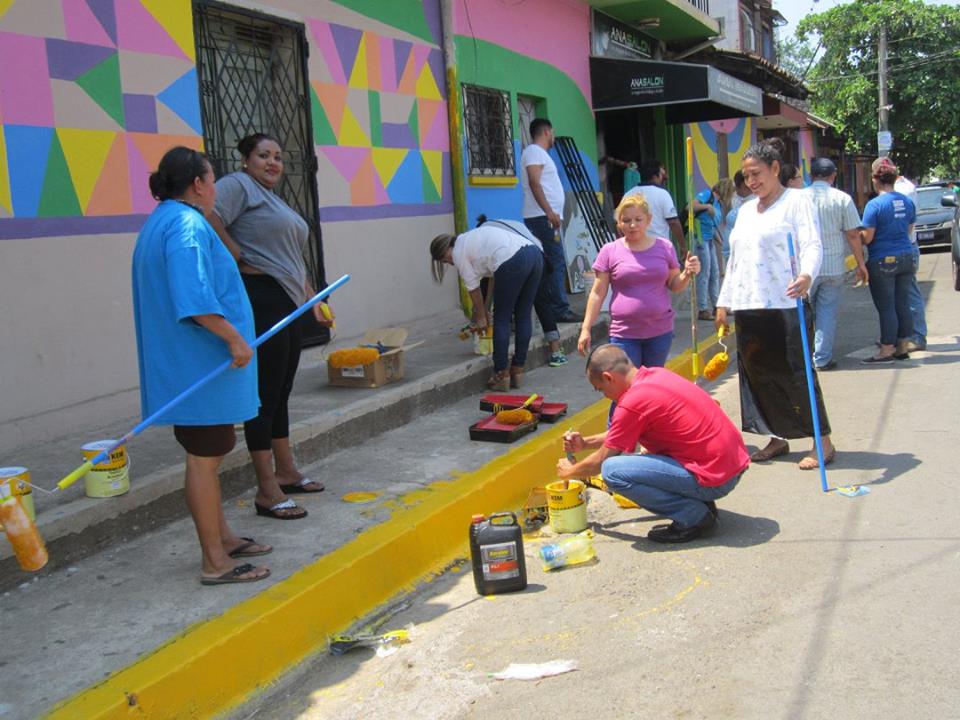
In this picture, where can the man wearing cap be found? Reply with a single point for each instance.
(839, 224)
(917, 310)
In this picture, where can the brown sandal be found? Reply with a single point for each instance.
(516, 376)
(500, 381)
(769, 453)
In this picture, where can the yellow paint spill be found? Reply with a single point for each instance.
(360, 497)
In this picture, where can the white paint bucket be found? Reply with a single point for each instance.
(110, 477)
(566, 506)
(19, 479)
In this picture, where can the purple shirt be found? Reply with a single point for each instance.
(640, 307)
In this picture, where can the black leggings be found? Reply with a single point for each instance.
(277, 361)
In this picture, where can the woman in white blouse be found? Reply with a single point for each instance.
(761, 286)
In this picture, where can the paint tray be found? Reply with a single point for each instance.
(548, 412)
(489, 430)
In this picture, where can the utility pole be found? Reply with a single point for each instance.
(884, 106)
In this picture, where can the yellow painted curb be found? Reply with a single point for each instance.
(218, 664)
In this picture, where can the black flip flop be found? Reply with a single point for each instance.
(299, 489)
(233, 576)
(240, 550)
(285, 505)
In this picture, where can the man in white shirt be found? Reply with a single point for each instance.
(905, 187)
(543, 198)
(664, 222)
(742, 195)
(839, 228)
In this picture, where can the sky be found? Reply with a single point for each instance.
(796, 10)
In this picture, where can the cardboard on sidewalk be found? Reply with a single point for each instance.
(387, 368)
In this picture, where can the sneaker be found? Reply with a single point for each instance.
(557, 359)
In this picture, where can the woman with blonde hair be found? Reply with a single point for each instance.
(641, 269)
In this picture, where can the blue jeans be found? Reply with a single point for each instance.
(649, 352)
(514, 288)
(890, 288)
(916, 303)
(708, 279)
(556, 264)
(661, 485)
(825, 299)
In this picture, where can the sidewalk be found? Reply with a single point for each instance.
(324, 419)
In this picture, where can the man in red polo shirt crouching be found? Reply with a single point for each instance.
(692, 454)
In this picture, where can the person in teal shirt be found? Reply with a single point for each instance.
(191, 314)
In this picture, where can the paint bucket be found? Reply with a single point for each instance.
(19, 479)
(483, 344)
(566, 506)
(107, 478)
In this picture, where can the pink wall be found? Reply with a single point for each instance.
(556, 32)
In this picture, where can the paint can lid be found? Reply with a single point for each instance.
(12, 471)
(97, 445)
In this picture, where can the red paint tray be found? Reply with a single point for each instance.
(548, 412)
(490, 430)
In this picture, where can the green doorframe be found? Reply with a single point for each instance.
(671, 149)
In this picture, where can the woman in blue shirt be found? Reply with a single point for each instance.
(191, 313)
(887, 222)
(711, 207)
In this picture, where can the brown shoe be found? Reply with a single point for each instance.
(500, 381)
(516, 376)
(704, 315)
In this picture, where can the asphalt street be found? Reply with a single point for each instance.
(803, 605)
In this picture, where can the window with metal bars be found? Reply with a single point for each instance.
(488, 124)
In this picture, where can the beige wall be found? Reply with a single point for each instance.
(67, 329)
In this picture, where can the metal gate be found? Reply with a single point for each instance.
(252, 72)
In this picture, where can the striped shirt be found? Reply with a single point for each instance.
(837, 213)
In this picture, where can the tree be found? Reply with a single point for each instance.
(795, 56)
(923, 61)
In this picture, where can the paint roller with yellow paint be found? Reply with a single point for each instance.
(517, 416)
(718, 363)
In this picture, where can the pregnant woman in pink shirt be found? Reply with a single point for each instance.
(641, 270)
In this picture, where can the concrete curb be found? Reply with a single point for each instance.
(218, 664)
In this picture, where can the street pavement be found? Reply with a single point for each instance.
(803, 605)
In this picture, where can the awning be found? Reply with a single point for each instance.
(689, 92)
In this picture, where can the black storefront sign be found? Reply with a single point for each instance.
(690, 92)
(614, 39)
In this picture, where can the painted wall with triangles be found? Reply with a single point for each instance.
(93, 92)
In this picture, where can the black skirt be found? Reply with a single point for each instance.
(773, 382)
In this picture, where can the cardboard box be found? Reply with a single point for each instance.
(387, 368)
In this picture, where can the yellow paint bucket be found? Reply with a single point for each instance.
(19, 479)
(110, 477)
(566, 506)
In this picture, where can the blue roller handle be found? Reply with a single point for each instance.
(147, 422)
(814, 411)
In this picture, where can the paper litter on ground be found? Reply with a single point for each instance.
(853, 490)
(535, 671)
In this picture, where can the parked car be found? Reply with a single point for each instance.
(937, 224)
(949, 200)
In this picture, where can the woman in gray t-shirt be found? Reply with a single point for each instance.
(268, 239)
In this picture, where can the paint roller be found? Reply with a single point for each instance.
(718, 363)
(517, 416)
(21, 531)
(105, 453)
(691, 236)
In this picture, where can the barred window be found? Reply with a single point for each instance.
(489, 130)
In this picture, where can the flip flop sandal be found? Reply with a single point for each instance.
(233, 576)
(241, 550)
(300, 487)
(764, 455)
(285, 505)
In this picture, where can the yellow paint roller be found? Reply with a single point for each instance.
(718, 363)
(517, 416)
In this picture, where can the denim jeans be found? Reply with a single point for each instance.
(556, 264)
(890, 288)
(916, 303)
(708, 279)
(663, 486)
(514, 288)
(825, 299)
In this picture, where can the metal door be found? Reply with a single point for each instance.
(252, 71)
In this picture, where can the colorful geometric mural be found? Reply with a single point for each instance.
(380, 124)
(92, 92)
(740, 136)
(808, 151)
